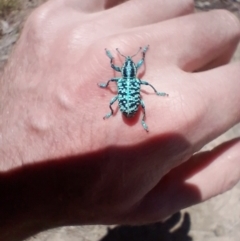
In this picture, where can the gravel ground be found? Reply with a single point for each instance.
(215, 220)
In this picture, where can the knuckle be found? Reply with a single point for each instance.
(40, 30)
(38, 17)
(40, 20)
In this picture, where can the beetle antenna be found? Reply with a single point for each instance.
(120, 53)
(137, 52)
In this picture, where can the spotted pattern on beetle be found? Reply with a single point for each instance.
(129, 86)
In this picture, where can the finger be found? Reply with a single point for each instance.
(189, 42)
(107, 22)
(219, 90)
(199, 39)
(204, 176)
(138, 13)
(89, 6)
(131, 13)
(221, 166)
(134, 13)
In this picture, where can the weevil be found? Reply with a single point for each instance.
(129, 86)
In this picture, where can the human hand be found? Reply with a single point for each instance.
(62, 164)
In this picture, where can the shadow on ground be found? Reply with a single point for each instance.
(161, 231)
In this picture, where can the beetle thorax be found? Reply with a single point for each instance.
(129, 69)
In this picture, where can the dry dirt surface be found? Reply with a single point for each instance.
(215, 220)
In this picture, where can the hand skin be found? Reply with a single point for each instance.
(62, 164)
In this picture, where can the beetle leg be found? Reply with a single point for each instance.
(158, 93)
(140, 63)
(110, 106)
(105, 85)
(144, 116)
(108, 53)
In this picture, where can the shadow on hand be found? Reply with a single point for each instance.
(161, 231)
(70, 190)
